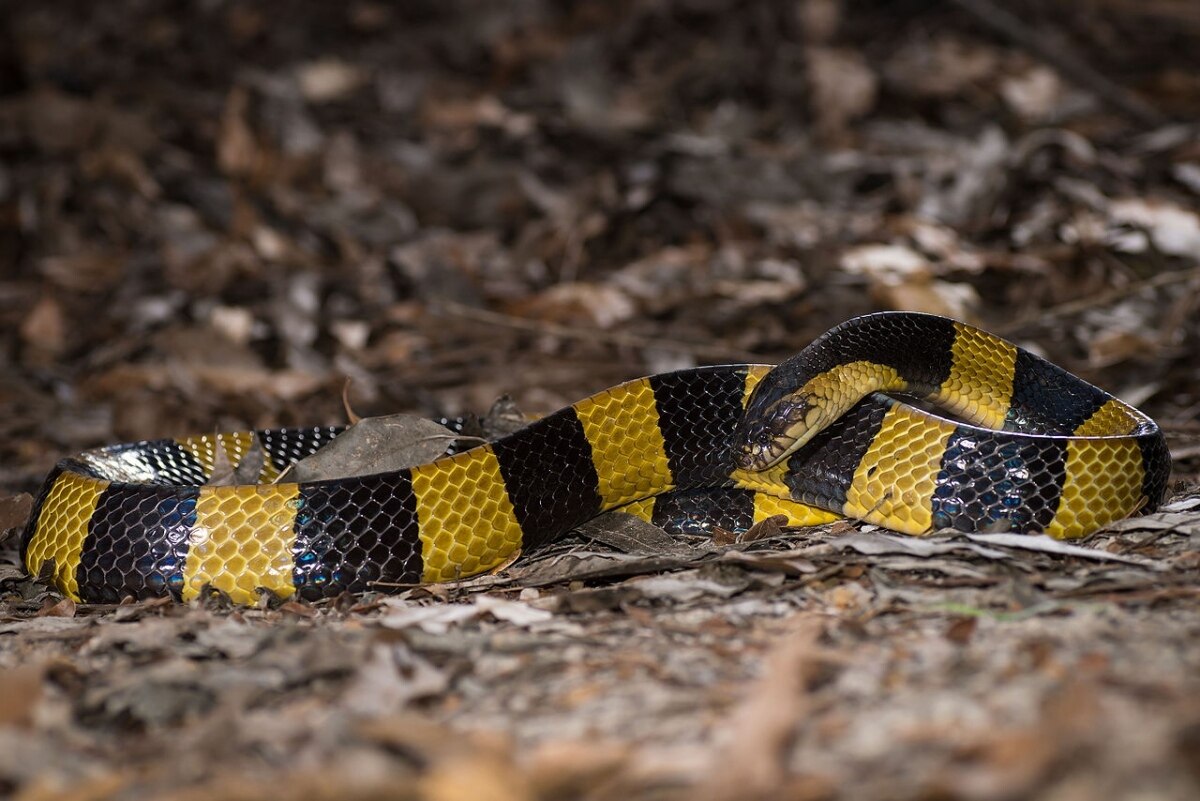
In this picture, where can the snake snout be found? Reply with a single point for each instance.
(755, 447)
(763, 440)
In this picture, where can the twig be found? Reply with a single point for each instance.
(1056, 54)
(452, 309)
(1104, 298)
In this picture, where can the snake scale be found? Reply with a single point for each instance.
(1030, 448)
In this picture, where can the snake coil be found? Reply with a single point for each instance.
(1034, 449)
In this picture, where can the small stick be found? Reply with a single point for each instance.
(1072, 307)
(594, 334)
(1065, 61)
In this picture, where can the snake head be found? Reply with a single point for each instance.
(768, 437)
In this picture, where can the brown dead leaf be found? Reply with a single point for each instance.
(1171, 228)
(122, 163)
(1116, 346)
(405, 732)
(503, 418)
(1036, 95)
(956, 300)
(942, 68)
(237, 150)
(587, 566)
(960, 630)
(14, 511)
(298, 609)
(376, 445)
(246, 471)
(286, 385)
(1014, 761)
(900, 277)
(1047, 544)
(575, 769)
(505, 563)
(887, 264)
(849, 598)
(844, 87)
(629, 534)
(723, 536)
(391, 678)
(467, 113)
(20, 692)
(768, 527)
(600, 305)
(820, 19)
(686, 587)
(98, 786)
(58, 122)
(87, 271)
(474, 776)
(328, 79)
(758, 735)
(64, 607)
(785, 563)
(44, 328)
(666, 278)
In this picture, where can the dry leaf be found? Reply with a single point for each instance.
(14, 511)
(1116, 346)
(515, 612)
(45, 328)
(887, 264)
(86, 271)
(758, 735)
(629, 534)
(475, 776)
(237, 150)
(1036, 95)
(684, 587)
(58, 122)
(575, 769)
(844, 87)
(439, 618)
(503, 418)
(247, 470)
(63, 607)
(1173, 229)
(722, 536)
(960, 630)
(942, 68)
(1041, 542)
(600, 305)
(763, 529)
(875, 544)
(20, 691)
(328, 79)
(390, 679)
(959, 301)
(376, 445)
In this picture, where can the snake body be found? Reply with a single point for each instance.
(1036, 450)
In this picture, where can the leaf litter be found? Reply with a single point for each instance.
(450, 204)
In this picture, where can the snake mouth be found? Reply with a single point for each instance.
(762, 454)
(776, 434)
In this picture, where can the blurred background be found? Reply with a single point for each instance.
(212, 213)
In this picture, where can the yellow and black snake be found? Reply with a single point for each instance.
(1040, 451)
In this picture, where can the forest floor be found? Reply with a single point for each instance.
(212, 215)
